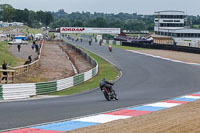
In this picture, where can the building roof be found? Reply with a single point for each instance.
(170, 12)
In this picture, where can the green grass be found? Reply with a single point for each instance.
(5, 55)
(27, 30)
(126, 47)
(196, 26)
(23, 29)
(106, 70)
(7, 28)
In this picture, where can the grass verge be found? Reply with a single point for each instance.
(26, 30)
(5, 55)
(106, 70)
(125, 47)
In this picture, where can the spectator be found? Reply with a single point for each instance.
(33, 45)
(26, 62)
(30, 58)
(4, 67)
(36, 48)
(41, 40)
(18, 47)
(100, 42)
(90, 41)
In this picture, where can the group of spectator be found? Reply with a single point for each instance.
(35, 46)
(28, 61)
(134, 39)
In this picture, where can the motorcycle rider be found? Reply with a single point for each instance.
(106, 84)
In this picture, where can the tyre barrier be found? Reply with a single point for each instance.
(27, 90)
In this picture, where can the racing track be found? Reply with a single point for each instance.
(145, 80)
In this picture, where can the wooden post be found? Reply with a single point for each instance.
(13, 77)
(7, 77)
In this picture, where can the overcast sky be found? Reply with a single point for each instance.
(192, 7)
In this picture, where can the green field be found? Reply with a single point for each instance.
(26, 30)
(106, 70)
(23, 29)
(5, 55)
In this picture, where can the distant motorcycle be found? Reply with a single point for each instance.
(109, 95)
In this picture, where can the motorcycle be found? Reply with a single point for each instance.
(109, 95)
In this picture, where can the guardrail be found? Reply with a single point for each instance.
(19, 91)
(15, 71)
(164, 47)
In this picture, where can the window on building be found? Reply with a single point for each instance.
(181, 34)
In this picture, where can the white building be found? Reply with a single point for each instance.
(171, 28)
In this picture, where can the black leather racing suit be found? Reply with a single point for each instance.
(106, 84)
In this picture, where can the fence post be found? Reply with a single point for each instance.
(7, 78)
(13, 77)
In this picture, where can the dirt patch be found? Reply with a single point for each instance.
(54, 64)
(181, 56)
(81, 64)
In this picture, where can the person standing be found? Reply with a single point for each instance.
(4, 67)
(33, 45)
(100, 42)
(36, 48)
(30, 58)
(18, 47)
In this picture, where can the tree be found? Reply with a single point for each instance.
(99, 22)
(8, 14)
(48, 19)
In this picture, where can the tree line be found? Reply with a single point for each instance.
(31, 18)
(125, 21)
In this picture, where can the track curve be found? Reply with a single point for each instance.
(145, 80)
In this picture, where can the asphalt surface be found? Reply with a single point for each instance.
(145, 80)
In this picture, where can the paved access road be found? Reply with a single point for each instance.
(145, 80)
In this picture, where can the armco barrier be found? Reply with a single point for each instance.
(42, 88)
(164, 47)
(19, 91)
(78, 79)
(64, 83)
(87, 75)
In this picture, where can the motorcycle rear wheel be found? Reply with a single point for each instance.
(107, 96)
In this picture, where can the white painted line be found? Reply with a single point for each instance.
(163, 58)
(102, 118)
(193, 97)
(163, 104)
